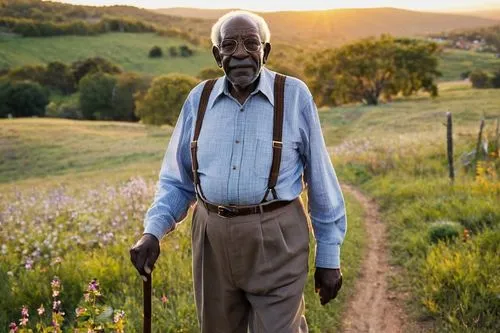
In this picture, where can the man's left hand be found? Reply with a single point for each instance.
(327, 282)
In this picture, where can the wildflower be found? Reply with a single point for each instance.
(93, 285)
(118, 316)
(24, 311)
(24, 316)
(41, 310)
(12, 328)
(80, 311)
(56, 283)
(466, 235)
(28, 264)
(56, 306)
(164, 299)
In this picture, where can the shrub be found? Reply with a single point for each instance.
(22, 99)
(155, 52)
(173, 51)
(164, 99)
(465, 75)
(460, 284)
(479, 79)
(185, 51)
(495, 80)
(444, 231)
(210, 73)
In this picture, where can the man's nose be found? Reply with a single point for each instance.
(240, 51)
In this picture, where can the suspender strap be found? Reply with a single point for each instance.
(279, 101)
(205, 95)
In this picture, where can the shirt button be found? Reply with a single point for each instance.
(234, 167)
(237, 141)
(242, 108)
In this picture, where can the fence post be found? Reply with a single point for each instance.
(497, 140)
(478, 145)
(449, 142)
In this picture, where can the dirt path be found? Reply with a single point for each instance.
(374, 308)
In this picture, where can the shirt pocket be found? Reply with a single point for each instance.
(264, 157)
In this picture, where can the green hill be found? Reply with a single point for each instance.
(129, 50)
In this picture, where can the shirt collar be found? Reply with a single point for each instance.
(265, 86)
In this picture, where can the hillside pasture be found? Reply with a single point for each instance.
(129, 50)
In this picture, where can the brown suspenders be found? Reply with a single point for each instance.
(279, 94)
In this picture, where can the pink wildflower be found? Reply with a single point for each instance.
(41, 310)
(12, 328)
(164, 299)
(24, 311)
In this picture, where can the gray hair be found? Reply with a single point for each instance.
(265, 33)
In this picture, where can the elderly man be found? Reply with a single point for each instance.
(241, 147)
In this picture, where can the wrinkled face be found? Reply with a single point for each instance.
(242, 67)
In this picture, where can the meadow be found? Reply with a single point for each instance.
(455, 62)
(73, 197)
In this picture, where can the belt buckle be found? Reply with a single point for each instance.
(224, 212)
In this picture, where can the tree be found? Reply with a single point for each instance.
(164, 99)
(128, 85)
(81, 68)
(155, 52)
(59, 76)
(479, 79)
(365, 70)
(22, 99)
(210, 73)
(35, 73)
(96, 95)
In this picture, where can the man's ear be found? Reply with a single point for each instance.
(217, 56)
(267, 50)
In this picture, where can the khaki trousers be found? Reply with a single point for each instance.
(249, 271)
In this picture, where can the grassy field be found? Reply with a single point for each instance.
(455, 62)
(129, 50)
(84, 187)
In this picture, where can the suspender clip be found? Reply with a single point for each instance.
(277, 144)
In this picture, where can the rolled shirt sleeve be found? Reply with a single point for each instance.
(174, 189)
(325, 200)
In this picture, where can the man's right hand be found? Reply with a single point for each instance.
(144, 254)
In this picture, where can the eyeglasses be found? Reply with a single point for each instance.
(229, 46)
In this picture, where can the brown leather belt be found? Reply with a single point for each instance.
(233, 211)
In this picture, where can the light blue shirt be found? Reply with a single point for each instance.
(235, 154)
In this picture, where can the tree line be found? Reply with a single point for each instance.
(97, 89)
(365, 71)
(35, 18)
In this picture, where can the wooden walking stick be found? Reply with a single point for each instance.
(146, 287)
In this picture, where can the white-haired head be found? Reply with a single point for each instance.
(265, 33)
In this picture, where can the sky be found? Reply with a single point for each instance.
(267, 5)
